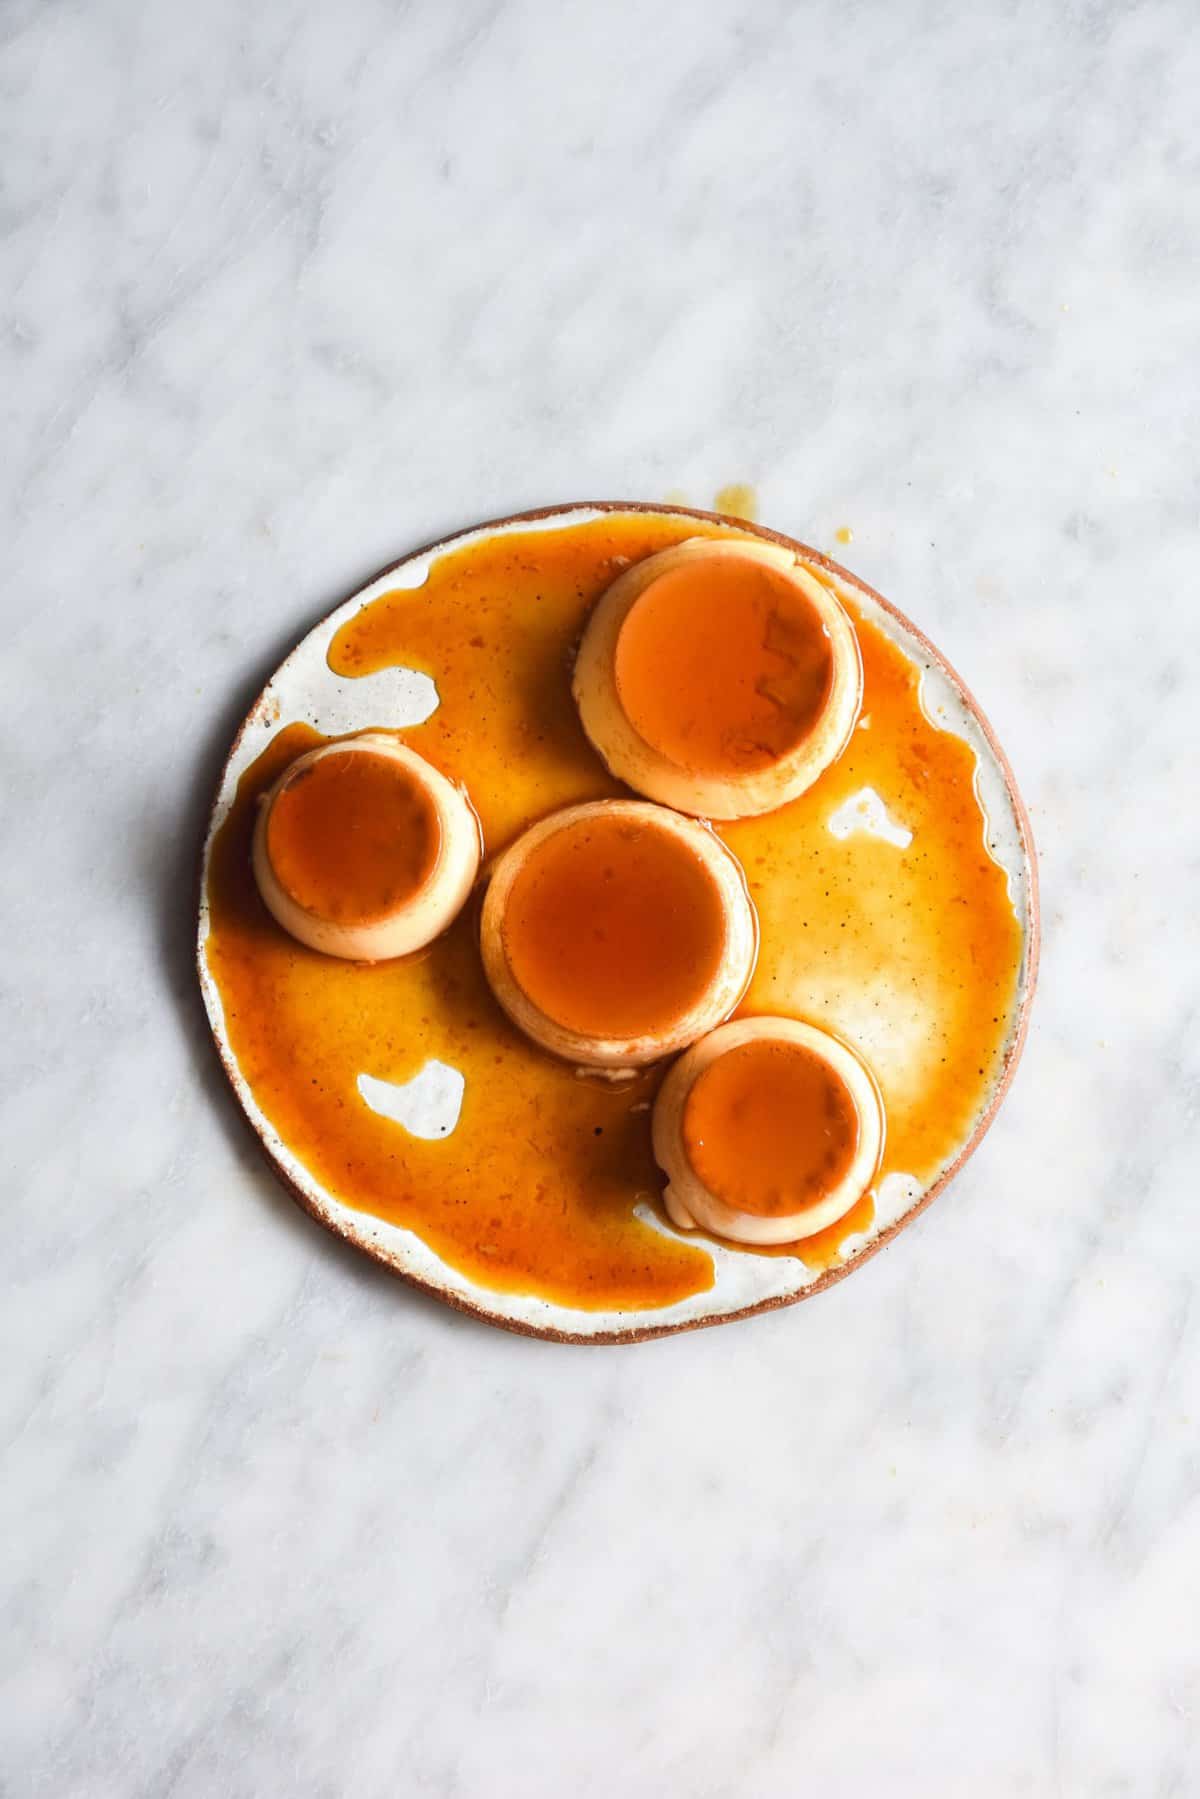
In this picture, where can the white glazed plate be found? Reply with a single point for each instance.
(304, 688)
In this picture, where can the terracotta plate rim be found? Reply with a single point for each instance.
(356, 1228)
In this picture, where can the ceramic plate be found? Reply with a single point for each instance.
(304, 688)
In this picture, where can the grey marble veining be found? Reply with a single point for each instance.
(286, 290)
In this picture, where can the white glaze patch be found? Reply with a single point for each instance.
(428, 1106)
(865, 812)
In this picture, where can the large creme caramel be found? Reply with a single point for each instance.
(616, 933)
(720, 678)
(362, 849)
(768, 1131)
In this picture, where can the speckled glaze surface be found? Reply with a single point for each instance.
(304, 689)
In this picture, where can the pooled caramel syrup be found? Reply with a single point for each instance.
(770, 1128)
(911, 955)
(353, 836)
(614, 929)
(723, 667)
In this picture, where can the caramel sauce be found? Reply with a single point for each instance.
(824, 1249)
(723, 666)
(353, 836)
(737, 500)
(770, 1128)
(614, 928)
(911, 955)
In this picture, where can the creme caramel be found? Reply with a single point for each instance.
(362, 849)
(724, 667)
(617, 932)
(770, 1128)
(720, 678)
(350, 836)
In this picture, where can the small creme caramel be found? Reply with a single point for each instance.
(768, 1131)
(363, 850)
(719, 677)
(617, 932)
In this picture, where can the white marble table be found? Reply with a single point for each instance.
(288, 289)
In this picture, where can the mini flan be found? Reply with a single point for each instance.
(718, 677)
(618, 932)
(363, 850)
(768, 1130)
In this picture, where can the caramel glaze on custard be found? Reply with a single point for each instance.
(614, 929)
(911, 955)
(724, 676)
(353, 836)
(770, 1128)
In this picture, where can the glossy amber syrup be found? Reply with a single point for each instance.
(770, 1128)
(737, 500)
(723, 666)
(614, 928)
(352, 837)
(911, 955)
